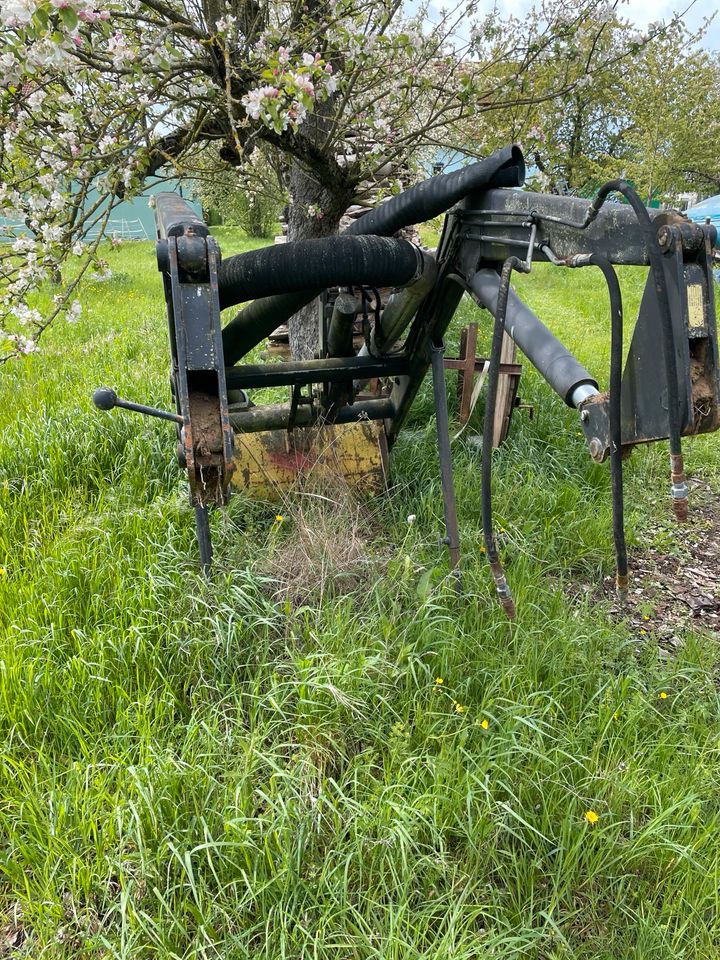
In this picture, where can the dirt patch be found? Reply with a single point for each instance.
(675, 583)
(12, 932)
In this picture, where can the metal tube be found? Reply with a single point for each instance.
(542, 348)
(277, 416)
(402, 307)
(582, 393)
(340, 331)
(302, 372)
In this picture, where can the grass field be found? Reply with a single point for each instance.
(195, 770)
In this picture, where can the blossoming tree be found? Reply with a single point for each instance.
(99, 95)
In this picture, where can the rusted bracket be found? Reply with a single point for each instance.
(468, 365)
(188, 259)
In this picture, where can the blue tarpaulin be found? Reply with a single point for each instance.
(700, 213)
(707, 208)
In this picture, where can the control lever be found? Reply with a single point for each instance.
(105, 398)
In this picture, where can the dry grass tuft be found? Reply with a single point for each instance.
(326, 544)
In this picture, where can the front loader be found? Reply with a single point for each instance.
(402, 299)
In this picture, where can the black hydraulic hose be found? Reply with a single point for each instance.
(257, 321)
(504, 168)
(329, 261)
(501, 584)
(679, 488)
(615, 416)
(335, 261)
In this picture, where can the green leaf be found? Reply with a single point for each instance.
(423, 587)
(41, 18)
(69, 17)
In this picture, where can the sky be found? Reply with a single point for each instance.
(641, 12)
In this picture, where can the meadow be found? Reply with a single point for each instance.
(372, 769)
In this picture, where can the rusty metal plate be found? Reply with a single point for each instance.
(268, 465)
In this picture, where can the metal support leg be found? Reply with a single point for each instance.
(202, 527)
(452, 536)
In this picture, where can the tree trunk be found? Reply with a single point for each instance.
(315, 211)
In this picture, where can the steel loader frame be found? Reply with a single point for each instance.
(670, 386)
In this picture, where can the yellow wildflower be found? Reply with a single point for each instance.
(645, 617)
(279, 518)
(643, 631)
(484, 724)
(591, 817)
(459, 708)
(2, 571)
(439, 680)
(662, 695)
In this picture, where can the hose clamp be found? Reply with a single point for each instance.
(420, 262)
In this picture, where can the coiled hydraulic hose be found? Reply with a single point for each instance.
(504, 168)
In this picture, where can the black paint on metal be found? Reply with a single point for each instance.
(329, 370)
(105, 398)
(478, 237)
(204, 539)
(340, 331)
(452, 533)
(176, 218)
(277, 416)
(542, 348)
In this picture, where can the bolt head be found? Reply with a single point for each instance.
(596, 449)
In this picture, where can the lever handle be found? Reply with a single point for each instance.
(105, 398)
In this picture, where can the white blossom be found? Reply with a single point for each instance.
(16, 13)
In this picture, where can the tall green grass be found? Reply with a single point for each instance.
(194, 770)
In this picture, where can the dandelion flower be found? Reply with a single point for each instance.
(279, 518)
(411, 519)
(591, 817)
(662, 695)
(484, 723)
